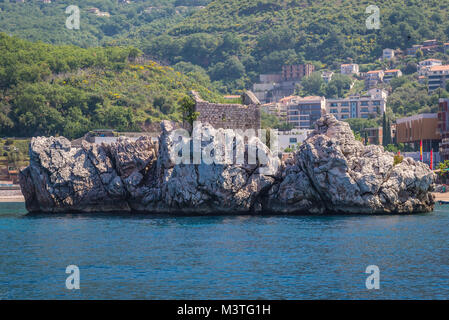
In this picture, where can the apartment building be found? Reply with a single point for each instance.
(349, 68)
(390, 74)
(372, 78)
(425, 65)
(421, 127)
(358, 106)
(302, 112)
(437, 76)
(297, 72)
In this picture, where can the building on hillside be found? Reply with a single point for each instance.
(412, 51)
(372, 135)
(297, 72)
(390, 74)
(291, 139)
(421, 127)
(425, 65)
(358, 106)
(303, 112)
(373, 78)
(276, 109)
(327, 76)
(437, 77)
(387, 54)
(430, 46)
(272, 87)
(349, 68)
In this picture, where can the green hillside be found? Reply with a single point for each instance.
(67, 90)
(232, 41)
(35, 20)
(250, 37)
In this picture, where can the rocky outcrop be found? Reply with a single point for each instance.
(331, 173)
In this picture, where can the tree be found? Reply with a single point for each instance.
(188, 110)
(312, 85)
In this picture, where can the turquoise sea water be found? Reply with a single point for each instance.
(223, 257)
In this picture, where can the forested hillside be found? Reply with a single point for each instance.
(35, 20)
(247, 37)
(67, 90)
(235, 40)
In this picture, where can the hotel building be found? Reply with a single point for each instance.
(437, 76)
(303, 112)
(357, 106)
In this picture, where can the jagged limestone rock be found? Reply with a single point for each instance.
(331, 173)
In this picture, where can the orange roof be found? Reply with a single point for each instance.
(392, 70)
(374, 71)
(439, 68)
(285, 99)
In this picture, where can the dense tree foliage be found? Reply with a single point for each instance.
(250, 37)
(67, 90)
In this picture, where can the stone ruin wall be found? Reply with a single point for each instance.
(229, 116)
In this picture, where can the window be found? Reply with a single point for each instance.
(364, 116)
(345, 104)
(364, 110)
(334, 110)
(376, 103)
(334, 104)
(293, 140)
(345, 110)
(344, 116)
(364, 103)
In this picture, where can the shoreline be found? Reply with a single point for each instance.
(20, 198)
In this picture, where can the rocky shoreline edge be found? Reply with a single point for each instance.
(331, 173)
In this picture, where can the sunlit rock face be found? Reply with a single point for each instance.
(330, 173)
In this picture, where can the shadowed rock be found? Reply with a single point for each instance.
(331, 173)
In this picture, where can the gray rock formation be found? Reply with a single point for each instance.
(331, 173)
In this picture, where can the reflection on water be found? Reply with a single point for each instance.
(222, 257)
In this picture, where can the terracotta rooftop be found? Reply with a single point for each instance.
(374, 71)
(392, 70)
(439, 68)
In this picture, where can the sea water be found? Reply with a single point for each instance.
(223, 257)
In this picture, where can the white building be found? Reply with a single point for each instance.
(351, 68)
(291, 139)
(327, 76)
(387, 54)
(424, 66)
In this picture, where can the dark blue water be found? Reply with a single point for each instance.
(159, 257)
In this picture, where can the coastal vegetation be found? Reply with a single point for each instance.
(67, 90)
